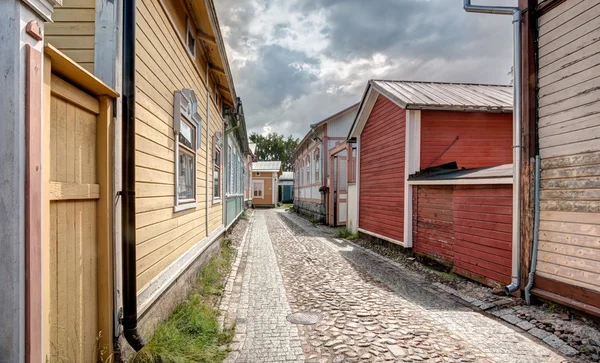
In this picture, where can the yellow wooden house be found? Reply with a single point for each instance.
(173, 93)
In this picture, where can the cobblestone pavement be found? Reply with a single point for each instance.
(372, 311)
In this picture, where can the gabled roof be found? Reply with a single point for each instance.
(323, 122)
(270, 166)
(413, 95)
(448, 96)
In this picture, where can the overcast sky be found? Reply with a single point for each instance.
(295, 62)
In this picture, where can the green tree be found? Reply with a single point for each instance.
(275, 147)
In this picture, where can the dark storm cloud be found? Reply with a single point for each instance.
(288, 87)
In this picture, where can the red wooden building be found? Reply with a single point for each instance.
(462, 215)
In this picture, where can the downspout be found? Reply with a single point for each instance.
(536, 230)
(130, 313)
(208, 153)
(517, 148)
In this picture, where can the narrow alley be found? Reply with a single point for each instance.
(368, 309)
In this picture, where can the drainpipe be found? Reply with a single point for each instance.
(536, 230)
(130, 317)
(517, 148)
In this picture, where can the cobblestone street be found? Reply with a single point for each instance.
(372, 310)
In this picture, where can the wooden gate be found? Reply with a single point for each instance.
(79, 249)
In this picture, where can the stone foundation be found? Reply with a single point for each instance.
(310, 209)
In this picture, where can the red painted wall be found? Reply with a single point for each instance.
(485, 139)
(382, 171)
(468, 227)
(433, 222)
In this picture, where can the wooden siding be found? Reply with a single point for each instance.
(73, 230)
(73, 31)
(483, 232)
(484, 139)
(267, 191)
(466, 227)
(163, 66)
(433, 222)
(569, 133)
(382, 171)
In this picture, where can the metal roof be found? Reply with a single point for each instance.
(287, 175)
(447, 96)
(266, 166)
(492, 172)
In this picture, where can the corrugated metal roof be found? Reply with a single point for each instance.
(266, 166)
(500, 171)
(447, 96)
(287, 175)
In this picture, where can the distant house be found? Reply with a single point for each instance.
(286, 187)
(265, 176)
(249, 159)
(432, 173)
(315, 185)
(561, 123)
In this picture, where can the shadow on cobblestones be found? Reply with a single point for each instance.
(377, 311)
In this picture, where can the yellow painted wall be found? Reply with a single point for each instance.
(268, 189)
(163, 66)
(73, 31)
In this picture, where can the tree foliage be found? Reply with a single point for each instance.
(275, 147)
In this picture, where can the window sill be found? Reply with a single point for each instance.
(216, 201)
(182, 207)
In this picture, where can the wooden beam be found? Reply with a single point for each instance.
(223, 88)
(64, 67)
(70, 191)
(205, 37)
(216, 69)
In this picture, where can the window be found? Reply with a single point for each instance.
(307, 170)
(191, 40)
(317, 165)
(230, 168)
(187, 130)
(258, 187)
(217, 146)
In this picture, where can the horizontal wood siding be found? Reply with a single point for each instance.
(382, 171)
(569, 139)
(72, 31)
(484, 139)
(267, 191)
(468, 228)
(433, 231)
(483, 232)
(163, 66)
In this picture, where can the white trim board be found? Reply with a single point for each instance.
(155, 288)
(483, 181)
(381, 237)
(412, 159)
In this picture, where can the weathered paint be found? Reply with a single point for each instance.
(568, 133)
(467, 228)
(484, 139)
(73, 31)
(382, 171)
(16, 15)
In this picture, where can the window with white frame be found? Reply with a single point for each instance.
(308, 170)
(188, 133)
(191, 39)
(240, 175)
(217, 160)
(317, 165)
(258, 188)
